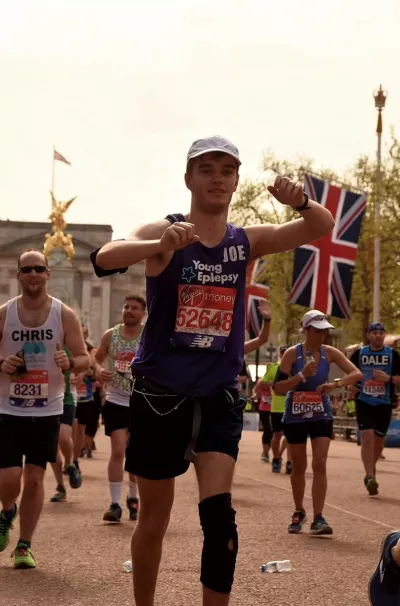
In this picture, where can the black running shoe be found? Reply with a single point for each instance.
(320, 526)
(75, 476)
(298, 519)
(114, 514)
(289, 467)
(133, 507)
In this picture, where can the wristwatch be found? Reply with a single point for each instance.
(338, 382)
(304, 206)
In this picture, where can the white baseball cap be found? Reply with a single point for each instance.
(213, 144)
(316, 319)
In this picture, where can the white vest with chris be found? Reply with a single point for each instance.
(39, 392)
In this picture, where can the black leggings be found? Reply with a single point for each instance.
(265, 418)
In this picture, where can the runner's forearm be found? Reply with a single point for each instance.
(126, 252)
(352, 378)
(282, 387)
(258, 341)
(81, 363)
(318, 219)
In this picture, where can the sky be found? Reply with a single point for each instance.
(122, 88)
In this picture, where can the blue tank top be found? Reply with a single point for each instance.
(372, 391)
(193, 340)
(85, 390)
(304, 403)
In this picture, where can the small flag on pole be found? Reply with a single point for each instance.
(61, 158)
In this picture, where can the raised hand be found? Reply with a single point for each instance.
(287, 192)
(265, 309)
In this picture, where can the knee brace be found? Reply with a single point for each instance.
(220, 546)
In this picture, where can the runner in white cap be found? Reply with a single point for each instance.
(303, 377)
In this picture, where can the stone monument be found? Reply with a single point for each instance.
(59, 250)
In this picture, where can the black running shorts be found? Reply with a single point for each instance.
(157, 444)
(276, 422)
(68, 416)
(374, 417)
(35, 438)
(115, 417)
(297, 433)
(86, 412)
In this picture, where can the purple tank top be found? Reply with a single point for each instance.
(193, 340)
(304, 403)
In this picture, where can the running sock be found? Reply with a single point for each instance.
(23, 543)
(60, 488)
(76, 463)
(10, 514)
(133, 491)
(116, 492)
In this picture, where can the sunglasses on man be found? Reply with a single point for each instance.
(27, 269)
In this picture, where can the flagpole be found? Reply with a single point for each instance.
(380, 100)
(53, 170)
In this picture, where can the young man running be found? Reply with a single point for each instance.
(119, 345)
(66, 444)
(185, 405)
(33, 329)
(303, 376)
(380, 367)
(277, 410)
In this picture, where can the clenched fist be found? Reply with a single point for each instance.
(104, 375)
(10, 364)
(179, 235)
(287, 192)
(61, 359)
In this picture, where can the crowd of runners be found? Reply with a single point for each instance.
(166, 389)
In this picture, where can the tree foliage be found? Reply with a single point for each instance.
(253, 204)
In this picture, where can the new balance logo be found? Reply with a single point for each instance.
(203, 342)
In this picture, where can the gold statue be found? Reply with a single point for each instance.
(59, 239)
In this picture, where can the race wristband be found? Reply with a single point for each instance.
(302, 377)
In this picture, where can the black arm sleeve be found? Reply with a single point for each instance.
(355, 358)
(280, 376)
(102, 273)
(396, 364)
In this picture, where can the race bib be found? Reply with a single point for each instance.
(30, 390)
(123, 361)
(375, 389)
(204, 316)
(266, 399)
(81, 391)
(307, 403)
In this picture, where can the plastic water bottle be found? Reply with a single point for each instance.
(277, 566)
(127, 566)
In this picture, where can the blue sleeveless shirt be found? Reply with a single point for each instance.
(304, 403)
(193, 340)
(372, 391)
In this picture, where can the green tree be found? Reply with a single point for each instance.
(253, 204)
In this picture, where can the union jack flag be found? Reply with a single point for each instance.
(255, 291)
(323, 270)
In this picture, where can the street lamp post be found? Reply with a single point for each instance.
(380, 101)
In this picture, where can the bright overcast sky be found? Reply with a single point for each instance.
(122, 88)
